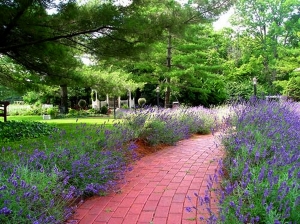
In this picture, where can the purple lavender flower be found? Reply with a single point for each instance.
(5, 211)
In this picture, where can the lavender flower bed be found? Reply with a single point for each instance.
(43, 184)
(169, 126)
(261, 171)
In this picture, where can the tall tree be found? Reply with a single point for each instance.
(32, 37)
(195, 11)
(112, 80)
(271, 24)
(198, 67)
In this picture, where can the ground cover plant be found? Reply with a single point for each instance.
(259, 176)
(42, 181)
(14, 130)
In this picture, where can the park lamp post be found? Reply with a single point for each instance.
(254, 86)
(157, 96)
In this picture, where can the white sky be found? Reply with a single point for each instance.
(223, 21)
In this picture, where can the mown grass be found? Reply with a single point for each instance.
(69, 125)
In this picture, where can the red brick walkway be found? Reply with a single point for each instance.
(156, 190)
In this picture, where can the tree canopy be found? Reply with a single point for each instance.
(41, 36)
(42, 41)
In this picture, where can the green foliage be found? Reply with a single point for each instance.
(142, 102)
(93, 111)
(31, 97)
(293, 88)
(53, 111)
(73, 112)
(266, 47)
(17, 130)
(103, 110)
(26, 185)
(125, 106)
(113, 80)
(25, 110)
(7, 94)
(153, 132)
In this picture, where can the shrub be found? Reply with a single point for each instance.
(93, 111)
(141, 102)
(153, 131)
(168, 126)
(16, 130)
(293, 88)
(73, 112)
(104, 110)
(53, 112)
(125, 106)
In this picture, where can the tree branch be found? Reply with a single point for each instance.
(207, 11)
(70, 35)
(13, 22)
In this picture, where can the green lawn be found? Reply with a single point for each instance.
(93, 120)
(69, 125)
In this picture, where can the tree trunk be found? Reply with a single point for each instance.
(64, 99)
(168, 90)
(88, 96)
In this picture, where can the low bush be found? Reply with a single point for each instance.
(73, 112)
(104, 110)
(16, 109)
(17, 130)
(169, 126)
(53, 112)
(141, 102)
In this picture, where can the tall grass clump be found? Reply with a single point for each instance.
(168, 126)
(259, 176)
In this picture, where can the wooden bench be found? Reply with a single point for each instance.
(3, 109)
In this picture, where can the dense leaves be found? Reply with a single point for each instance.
(264, 43)
(17, 130)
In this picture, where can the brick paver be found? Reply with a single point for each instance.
(156, 190)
